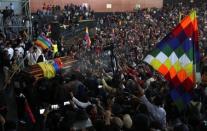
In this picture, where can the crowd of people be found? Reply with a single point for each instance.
(109, 88)
(10, 23)
(69, 14)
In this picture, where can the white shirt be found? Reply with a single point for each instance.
(37, 53)
(156, 113)
(101, 21)
(12, 7)
(27, 24)
(30, 58)
(20, 51)
(86, 14)
(22, 44)
(10, 52)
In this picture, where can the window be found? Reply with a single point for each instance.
(108, 6)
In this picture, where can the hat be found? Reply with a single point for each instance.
(127, 121)
(118, 122)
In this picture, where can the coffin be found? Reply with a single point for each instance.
(49, 69)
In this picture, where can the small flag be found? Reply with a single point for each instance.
(43, 42)
(29, 112)
(176, 57)
(87, 38)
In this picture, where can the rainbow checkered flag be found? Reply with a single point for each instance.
(176, 57)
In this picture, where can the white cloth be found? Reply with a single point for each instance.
(156, 113)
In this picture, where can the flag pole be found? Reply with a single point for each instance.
(180, 16)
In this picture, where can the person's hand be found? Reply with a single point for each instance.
(72, 104)
(2, 120)
(7, 82)
(98, 101)
(47, 111)
(71, 94)
(134, 97)
(103, 71)
(107, 116)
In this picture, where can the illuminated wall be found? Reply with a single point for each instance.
(100, 5)
(17, 4)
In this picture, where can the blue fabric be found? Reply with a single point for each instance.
(55, 65)
(180, 97)
(174, 43)
(161, 45)
(182, 36)
(187, 45)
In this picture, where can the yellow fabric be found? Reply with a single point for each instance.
(51, 71)
(167, 63)
(55, 48)
(189, 69)
(48, 70)
(156, 63)
(193, 15)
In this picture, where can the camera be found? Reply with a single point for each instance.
(55, 107)
(100, 86)
(42, 111)
(66, 103)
